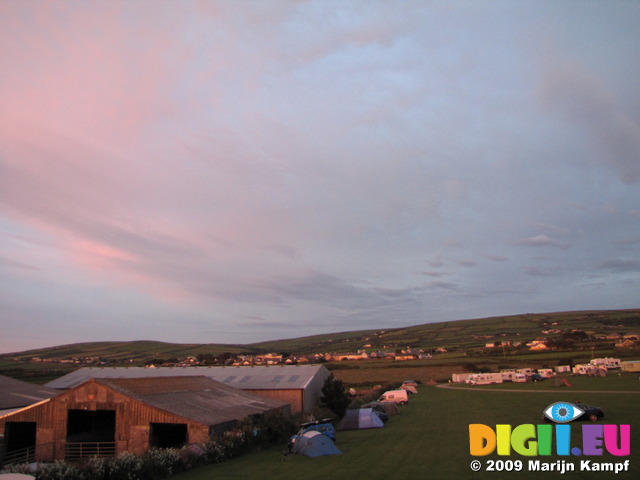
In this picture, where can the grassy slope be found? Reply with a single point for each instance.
(429, 439)
(457, 334)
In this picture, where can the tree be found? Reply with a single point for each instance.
(334, 396)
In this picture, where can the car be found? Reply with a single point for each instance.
(323, 426)
(590, 412)
(381, 415)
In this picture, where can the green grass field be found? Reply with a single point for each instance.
(429, 438)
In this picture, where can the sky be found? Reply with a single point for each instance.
(234, 172)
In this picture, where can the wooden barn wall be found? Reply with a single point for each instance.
(132, 420)
(294, 397)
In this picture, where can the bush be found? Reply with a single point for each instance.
(126, 466)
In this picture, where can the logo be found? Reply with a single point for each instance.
(563, 412)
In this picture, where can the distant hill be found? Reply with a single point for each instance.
(453, 335)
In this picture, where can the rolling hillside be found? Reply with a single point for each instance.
(454, 335)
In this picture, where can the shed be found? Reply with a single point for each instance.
(299, 385)
(106, 417)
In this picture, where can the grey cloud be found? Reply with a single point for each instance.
(620, 265)
(540, 241)
(9, 263)
(496, 258)
(584, 99)
(541, 271)
(444, 286)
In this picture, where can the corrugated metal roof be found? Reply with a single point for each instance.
(195, 398)
(17, 394)
(291, 377)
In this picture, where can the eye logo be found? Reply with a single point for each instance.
(562, 412)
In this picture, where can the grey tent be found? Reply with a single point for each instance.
(358, 419)
(314, 444)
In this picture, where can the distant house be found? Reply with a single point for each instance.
(625, 343)
(300, 385)
(110, 416)
(537, 345)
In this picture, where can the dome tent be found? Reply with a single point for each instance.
(360, 418)
(314, 444)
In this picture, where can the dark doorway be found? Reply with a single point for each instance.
(91, 426)
(19, 435)
(167, 435)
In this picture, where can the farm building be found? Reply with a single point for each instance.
(299, 385)
(16, 394)
(107, 417)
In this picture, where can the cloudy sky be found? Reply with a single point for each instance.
(231, 172)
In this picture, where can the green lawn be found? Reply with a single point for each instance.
(429, 439)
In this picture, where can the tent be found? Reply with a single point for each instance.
(314, 444)
(362, 418)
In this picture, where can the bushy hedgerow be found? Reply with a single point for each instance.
(157, 464)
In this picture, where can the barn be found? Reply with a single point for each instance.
(298, 385)
(16, 394)
(106, 417)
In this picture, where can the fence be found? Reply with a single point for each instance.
(24, 455)
(77, 451)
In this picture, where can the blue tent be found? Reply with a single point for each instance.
(314, 444)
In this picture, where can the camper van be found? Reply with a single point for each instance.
(396, 396)
(484, 379)
(526, 371)
(563, 369)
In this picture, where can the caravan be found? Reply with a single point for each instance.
(460, 377)
(484, 379)
(606, 361)
(591, 370)
(513, 376)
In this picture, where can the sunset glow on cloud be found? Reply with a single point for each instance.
(231, 172)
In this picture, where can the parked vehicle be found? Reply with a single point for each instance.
(323, 426)
(460, 377)
(484, 379)
(588, 369)
(396, 396)
(519, 378)
(410, 389)
(513, 376)
(606, 361)
(591, 413)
